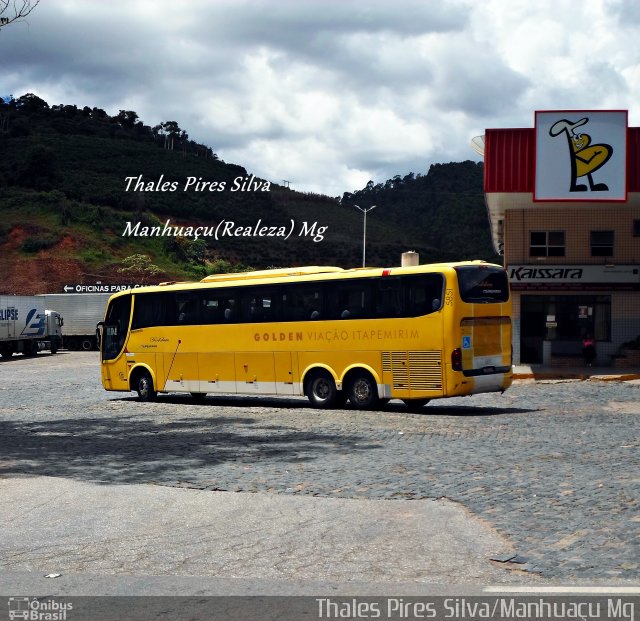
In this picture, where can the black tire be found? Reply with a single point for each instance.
(363, 391)
(321, 390)
(86, 344)
(416, 405)
(71, 344)
(6, 353)
(142, 383)
(30, 348)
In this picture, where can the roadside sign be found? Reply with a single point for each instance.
(97, 288)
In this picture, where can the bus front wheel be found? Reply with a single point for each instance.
(321, 390)
(363, 391)
(143, 385)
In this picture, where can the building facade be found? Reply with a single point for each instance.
(572, 246)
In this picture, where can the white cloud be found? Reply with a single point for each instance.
(330, 94)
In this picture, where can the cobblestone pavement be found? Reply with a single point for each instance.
(553, 466)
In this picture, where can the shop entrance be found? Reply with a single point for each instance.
(564, 320)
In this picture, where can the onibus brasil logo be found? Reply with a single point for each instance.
(35, 609)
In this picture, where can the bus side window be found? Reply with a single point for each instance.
(151, 309)
(188, 307)
(218, 307)
(423, 294)
(259, 306)
(389, 298)
(211, 310)
(301, 303)
(229, 310)
(351, 300)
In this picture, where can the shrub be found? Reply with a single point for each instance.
(35, 244)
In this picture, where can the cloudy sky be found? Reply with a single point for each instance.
(330, 93)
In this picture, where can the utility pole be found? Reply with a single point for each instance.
(364, 231)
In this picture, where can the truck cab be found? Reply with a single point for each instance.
(54, 329)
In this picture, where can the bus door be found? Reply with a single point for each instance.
(114, 334)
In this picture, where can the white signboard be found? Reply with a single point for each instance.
(98, 288)
(524, 276)
(581, 155)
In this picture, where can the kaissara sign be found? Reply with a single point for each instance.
(581, 155)
(582, 277)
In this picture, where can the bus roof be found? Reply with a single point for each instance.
(300, 274)
(273, 273)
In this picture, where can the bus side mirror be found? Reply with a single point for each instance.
(99, 329)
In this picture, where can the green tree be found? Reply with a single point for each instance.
(126, 118)
(31, 104)
(39, 168)
(139, 267)
(15, 11)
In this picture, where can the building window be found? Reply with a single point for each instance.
(547, 244)
(636, 228)
(601, 243)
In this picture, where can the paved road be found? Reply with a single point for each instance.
(548, 470)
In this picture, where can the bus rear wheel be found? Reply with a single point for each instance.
(142, 383)
(363, 391)
(321, 390)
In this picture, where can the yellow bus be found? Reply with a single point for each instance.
(367, 335)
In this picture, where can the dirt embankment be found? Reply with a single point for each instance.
(44, 271)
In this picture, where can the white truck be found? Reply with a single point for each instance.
(26, 327)
(81, 312)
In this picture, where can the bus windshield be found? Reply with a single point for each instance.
(115, 327)
(482, 284)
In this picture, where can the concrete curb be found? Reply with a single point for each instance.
(548, 374)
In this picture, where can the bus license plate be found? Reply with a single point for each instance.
(488, 370)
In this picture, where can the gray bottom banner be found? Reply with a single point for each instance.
(497, 607)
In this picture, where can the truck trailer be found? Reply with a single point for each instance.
(26, 327)
(81, 312)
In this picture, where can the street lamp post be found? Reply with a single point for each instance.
(364, 231)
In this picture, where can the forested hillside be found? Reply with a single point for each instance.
(65, 202)
(446, 206)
